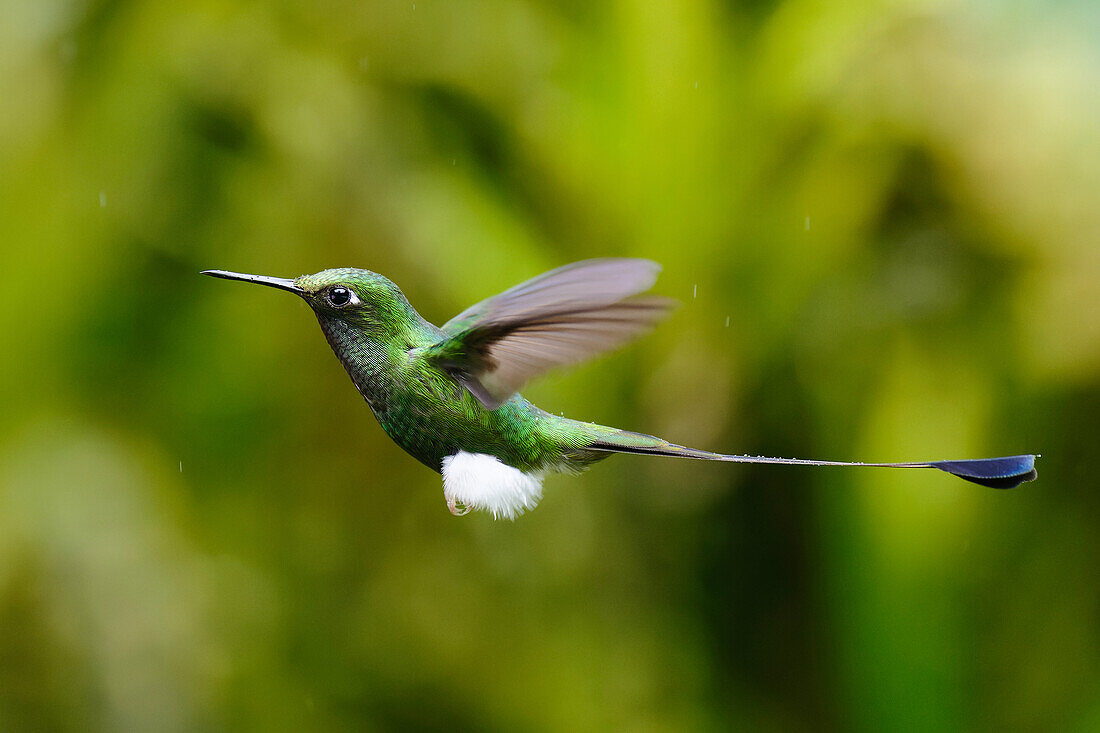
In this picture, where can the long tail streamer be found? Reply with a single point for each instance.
(998, 473)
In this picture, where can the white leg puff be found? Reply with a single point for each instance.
(479, 481)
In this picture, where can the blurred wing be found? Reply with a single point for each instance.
(562, 317)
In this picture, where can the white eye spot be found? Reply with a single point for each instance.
(340, 297)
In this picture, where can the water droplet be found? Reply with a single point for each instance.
(727, 321)
(102, 199)
(807, 223)
(694, 290)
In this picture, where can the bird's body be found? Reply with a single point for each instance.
(449, 396)
(428, 413)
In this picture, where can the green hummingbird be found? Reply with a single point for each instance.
(450, 395)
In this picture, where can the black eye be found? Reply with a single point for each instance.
(339, 296)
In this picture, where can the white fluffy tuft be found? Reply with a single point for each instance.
(482, 482)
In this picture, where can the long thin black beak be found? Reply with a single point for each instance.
(272, 282)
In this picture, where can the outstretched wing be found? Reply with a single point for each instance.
(561, 317)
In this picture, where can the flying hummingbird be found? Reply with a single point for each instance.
(450, 396)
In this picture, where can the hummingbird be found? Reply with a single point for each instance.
(449, 396)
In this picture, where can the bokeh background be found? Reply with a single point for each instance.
(881, 219)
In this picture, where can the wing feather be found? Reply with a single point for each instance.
(559, 318)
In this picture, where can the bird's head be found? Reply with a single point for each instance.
(343, 299)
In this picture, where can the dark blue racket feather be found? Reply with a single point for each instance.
(998, 473)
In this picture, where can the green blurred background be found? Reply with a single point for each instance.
(881, 219)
